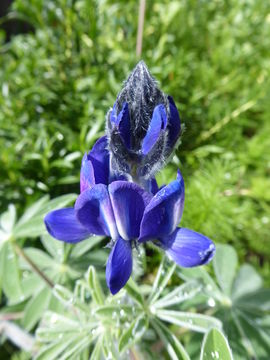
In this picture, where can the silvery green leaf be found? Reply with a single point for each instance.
(30, 283)
(55, 248)
(163, 276)
(179, 294)
(225, 263)
(7, 219)
(192, 321)
(39, 257)
(84, 246)
(246, 281)
(94, 285)
(134, 333)
(76, 347)
(33, 210)
(35, 308)
(215, 346)
(31, 224)
(114, 312)
(96, 353)
(67, 298)
(10, 277)
(200, 273)
(173, 346)
(134, 291)
(257, 336)
(109, 349)
(54, 349)
(54, 324)
(257, 301)
(244, 338)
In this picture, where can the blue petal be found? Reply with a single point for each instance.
(174, 124)
(100, 159)
(63, 225)
(153, 186)
(128, 202)
(94, 211)
(113, 115)
(164, 211)
(150, 185)
(158, 121)
(119, 265)
(87, 176)
(124, 125)
(188, 248)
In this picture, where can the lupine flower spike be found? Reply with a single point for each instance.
(129, 207)
(142, 127)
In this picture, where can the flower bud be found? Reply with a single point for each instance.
(142, 127)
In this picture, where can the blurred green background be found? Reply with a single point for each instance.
(58, 80)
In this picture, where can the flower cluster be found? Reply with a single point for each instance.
(119, 195)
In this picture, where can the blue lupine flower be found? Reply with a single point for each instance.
(130, 215)
(143, 126)
(119, 195)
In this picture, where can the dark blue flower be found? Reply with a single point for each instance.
(142, 127)
(130, 215)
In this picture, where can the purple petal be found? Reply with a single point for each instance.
(158, 121)
(150, 185)
(164, 211)
(188, 248)
(153, 186)
(87, 176)
(63, 225)
(94, 211)
(174, 124)
(100, 159)
(128, 202)
(119, 265)
(113, 115)
(124, 125)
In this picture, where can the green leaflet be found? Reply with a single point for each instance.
(215, 346)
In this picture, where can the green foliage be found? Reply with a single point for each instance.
(215, 346)
(56, 85)
(239, 301)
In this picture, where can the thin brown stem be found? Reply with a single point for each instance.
(11, 316)
(140, 28)
(21, 253)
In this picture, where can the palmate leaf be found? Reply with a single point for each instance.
(246, 281)
(97, 351)
(225, 264)
(258, 300)
(173, 346)
(243, 308)
(7, 220)
(53, 247)
(134, 292)
(134, 333)
(201, 274)
(94, 286)
(84, 246)
(31, 223)
(192, 321)
(10, 275)
(36, 307)
(215, 346)
(112, 312)
(165, 271)
(179, 294)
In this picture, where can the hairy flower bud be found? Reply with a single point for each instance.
(143, 126)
